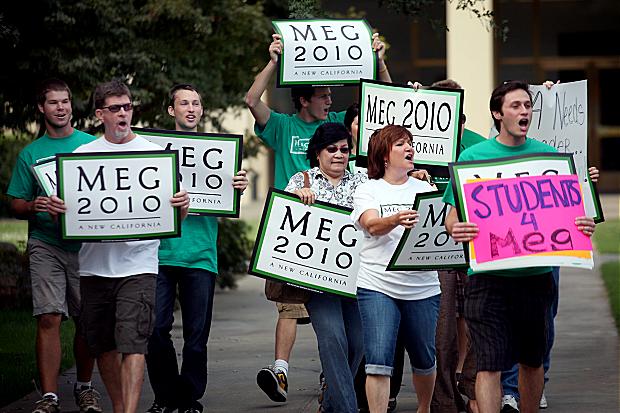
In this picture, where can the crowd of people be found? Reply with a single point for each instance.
(466, 334)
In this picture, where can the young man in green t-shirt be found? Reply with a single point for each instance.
(514, 303)
(53, 262)
(288, 136)
(189, 262)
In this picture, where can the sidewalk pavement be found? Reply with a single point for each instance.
(584, 367)
(584, 372)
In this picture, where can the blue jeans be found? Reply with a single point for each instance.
(510, 378)
(336, 322)
(196, 287)
(383, 317)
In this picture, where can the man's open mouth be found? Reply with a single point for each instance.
(524, 122)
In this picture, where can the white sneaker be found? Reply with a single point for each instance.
(509, 404)
(543, 402)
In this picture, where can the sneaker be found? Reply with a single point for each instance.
(273, 383)
(87, 399)
(156, 408)
(543, 402)
(509, 404)
(391, 405)
(48, 404)
(190, 410)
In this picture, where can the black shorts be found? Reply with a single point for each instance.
(118, 313)
(507, 319)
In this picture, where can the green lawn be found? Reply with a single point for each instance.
(611, 277)
(18, 367)
(14, 231)
(607, 238)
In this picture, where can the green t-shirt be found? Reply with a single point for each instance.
(288, 136)
(492, 149)
(470, 138)
(24, 186)
(196, 248)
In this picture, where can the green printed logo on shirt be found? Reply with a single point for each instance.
(299, 146)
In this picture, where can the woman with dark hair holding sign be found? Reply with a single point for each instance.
(393, 301)
(335, 319)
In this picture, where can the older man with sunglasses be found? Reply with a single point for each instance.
(118, 278)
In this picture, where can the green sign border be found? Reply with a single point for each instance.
(260, 237)
(280, 83)
(87, 156)
(392, 266)
(238, 139)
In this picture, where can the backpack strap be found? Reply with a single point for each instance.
(306, 179)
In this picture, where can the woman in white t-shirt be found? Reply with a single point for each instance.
(390, 301)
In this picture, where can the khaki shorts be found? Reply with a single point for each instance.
(55, 279)
(296, 311)
(118, 313)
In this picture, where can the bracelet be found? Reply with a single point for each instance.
(383, 70)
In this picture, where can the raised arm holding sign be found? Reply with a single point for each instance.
(325, 52)
(288, 135)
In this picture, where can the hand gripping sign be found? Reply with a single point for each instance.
(325, 52)
(428, 246)
(431, 115)
(208, 162)
(558, 247)
(118, 195)
(316, 246)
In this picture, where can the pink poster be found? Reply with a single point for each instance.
(525, 216)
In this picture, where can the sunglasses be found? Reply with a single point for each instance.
(116, 108)
(333, 149)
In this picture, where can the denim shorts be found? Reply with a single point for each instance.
(382, 317)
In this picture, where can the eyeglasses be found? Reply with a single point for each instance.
(116, 108)
(333, 149)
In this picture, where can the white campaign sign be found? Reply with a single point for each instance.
(560, 119)
(207, 163)
(122, 195)
(325, 52)
(428, 246)
(432, 117)
(312, 246)
(45, 173)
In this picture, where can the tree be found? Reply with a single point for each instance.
(300, 9)
(218, 45)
